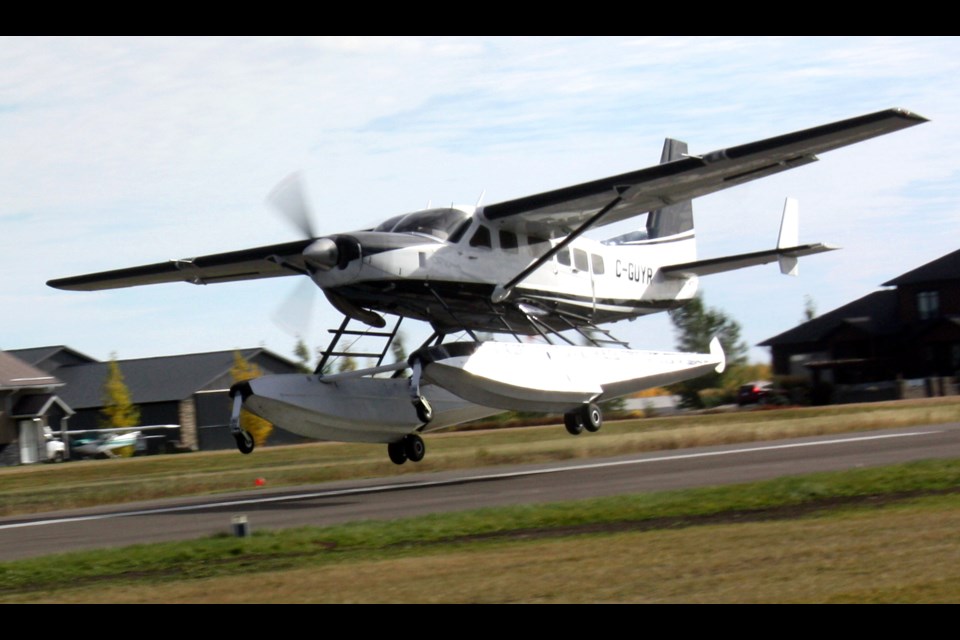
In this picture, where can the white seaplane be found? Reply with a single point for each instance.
(520, 268)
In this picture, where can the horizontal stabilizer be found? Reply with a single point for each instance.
(731, 263)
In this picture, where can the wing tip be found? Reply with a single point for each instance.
(909, 115)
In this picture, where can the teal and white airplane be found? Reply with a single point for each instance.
(521, 268)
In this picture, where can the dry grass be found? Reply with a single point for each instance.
(905, 553)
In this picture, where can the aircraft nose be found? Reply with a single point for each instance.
(322, 254)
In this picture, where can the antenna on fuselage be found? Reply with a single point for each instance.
(480, 199)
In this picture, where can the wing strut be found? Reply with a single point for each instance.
(501, 292)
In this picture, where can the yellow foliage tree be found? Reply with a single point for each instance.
(256, 426)
(118, 408)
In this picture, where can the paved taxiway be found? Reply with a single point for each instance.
(416, 494)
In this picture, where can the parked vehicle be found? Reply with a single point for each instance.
(756, 392)
(56, 451)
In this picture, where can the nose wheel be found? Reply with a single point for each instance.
(410, 448)
(244, 441)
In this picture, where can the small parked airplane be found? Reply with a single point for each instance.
(518, 267)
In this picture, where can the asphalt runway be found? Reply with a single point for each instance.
(330, 503)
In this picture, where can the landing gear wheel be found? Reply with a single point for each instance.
(592, 417)
(424, 410)
(244, 442)
(573, 421)
(414, 447)
(396, 452)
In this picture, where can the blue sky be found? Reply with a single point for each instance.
(123, 151)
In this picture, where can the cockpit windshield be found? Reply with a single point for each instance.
(439, 223)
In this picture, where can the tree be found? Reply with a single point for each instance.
(302, 353)
(256, 426)
(696, 325)
(118, 408)
(345, 364)
(398, 349)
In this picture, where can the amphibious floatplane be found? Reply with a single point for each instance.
(519, 268)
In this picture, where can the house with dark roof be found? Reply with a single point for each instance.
(909, 332)
(186, 394)
(28, 404)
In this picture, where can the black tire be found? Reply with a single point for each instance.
(396, 452)
(592, 417)
(414, 447)
(573, 421)
(245, 443)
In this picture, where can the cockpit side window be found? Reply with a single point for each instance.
(481, 238)
(563, 257)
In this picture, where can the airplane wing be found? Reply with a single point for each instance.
(690, 177)
(261, 262)
(564, 209)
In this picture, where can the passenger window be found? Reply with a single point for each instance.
(597, 264)
(538, 246)
(481, 238)
(580, 261)
(563, 257)
(508, 241)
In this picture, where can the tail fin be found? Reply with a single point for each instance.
(789, 236)
(675, 218)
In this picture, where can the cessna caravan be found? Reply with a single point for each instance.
(520, 267)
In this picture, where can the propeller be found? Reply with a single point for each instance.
(323, 254)
(289, 198)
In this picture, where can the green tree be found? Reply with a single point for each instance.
(696, 324)
(118, 408)
(256, 426)
(302, 353)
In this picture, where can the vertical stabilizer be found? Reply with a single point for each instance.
(675, 218)
(789, 236)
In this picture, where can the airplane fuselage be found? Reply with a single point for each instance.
(449, 281)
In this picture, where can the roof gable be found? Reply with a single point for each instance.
(943, 268)
(158, 379)
(51, 358)
(874, 314)
(17, 374)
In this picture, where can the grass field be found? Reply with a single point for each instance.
(867, 535)
(39, 488)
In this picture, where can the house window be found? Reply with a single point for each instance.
(928, 304)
